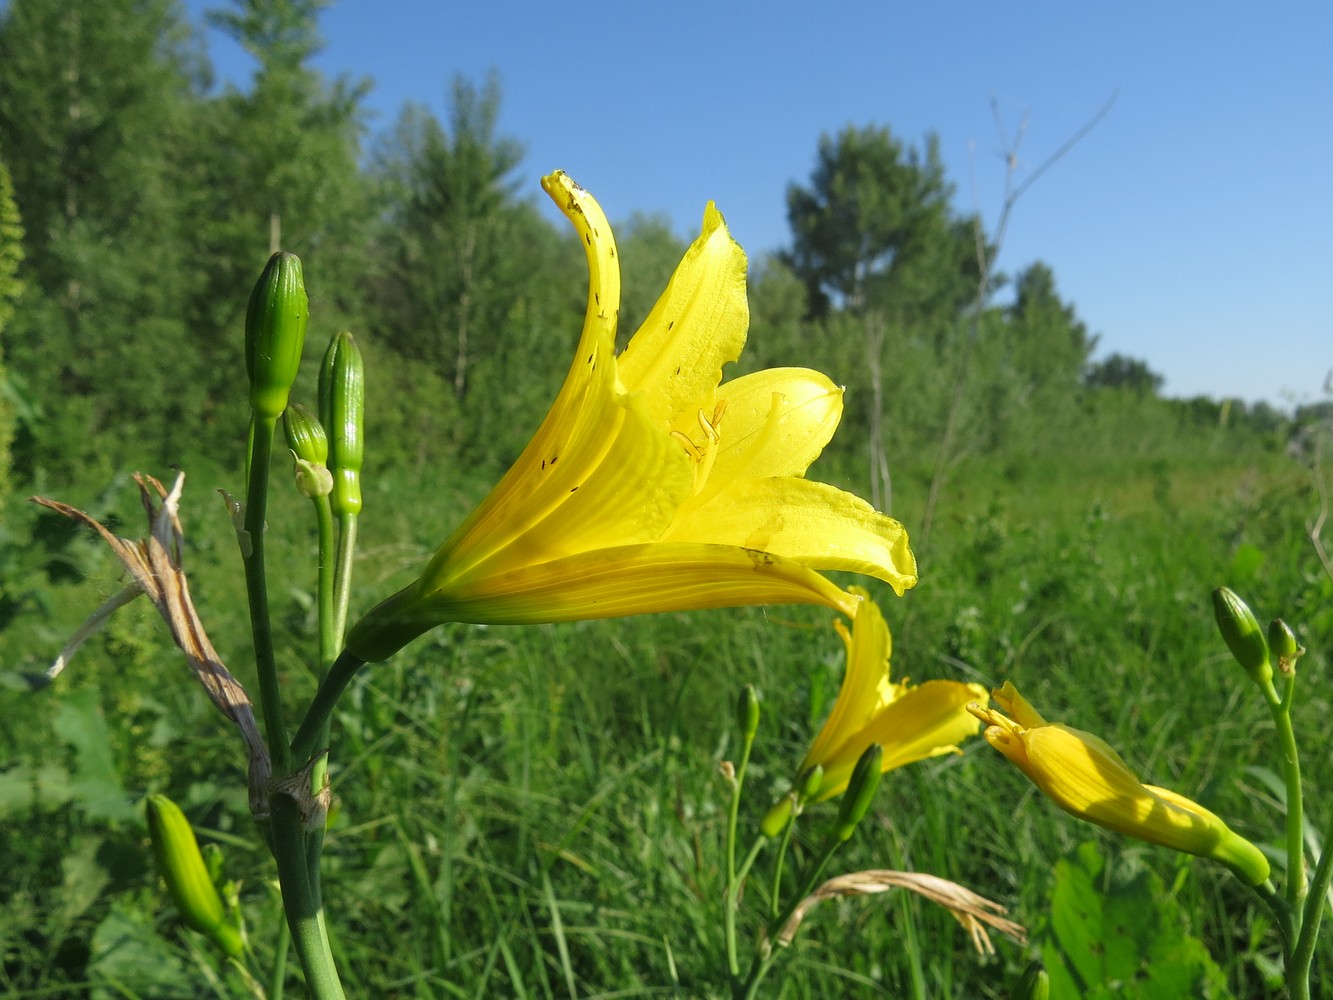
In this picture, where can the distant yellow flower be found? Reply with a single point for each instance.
(910, 722)
(649, 486)
(1081, 774)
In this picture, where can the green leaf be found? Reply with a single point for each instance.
(96, 786)
(1124, 937)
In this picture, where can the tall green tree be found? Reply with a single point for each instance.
(93, 104)
(454, 229)
(278, 166)
(874, 228)
(874, 238)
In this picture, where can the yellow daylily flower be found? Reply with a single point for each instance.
(1082, 775)
(650, 486)
(911, 722)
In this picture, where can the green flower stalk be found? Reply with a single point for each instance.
(275, 334)
(342, 400)
(1243, 635)
(187, 877)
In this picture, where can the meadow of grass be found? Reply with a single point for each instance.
(537, 812)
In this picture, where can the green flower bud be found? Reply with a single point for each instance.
(1242, 633)
(275, 333)
(1035, 984)
(808, 784)
(305, 435)
(861, 788)
(747, 713)
(187, 877)
(1282, 642)
(777, 818)
(342, 400)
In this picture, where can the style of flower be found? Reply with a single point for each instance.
(650, 486)
(1082, 775)
(911, 722)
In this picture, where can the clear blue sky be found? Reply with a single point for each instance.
(1192, 228)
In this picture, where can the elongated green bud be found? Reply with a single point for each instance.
(342, 401)
(187, 877)
(747, 713)
(1243, 635)
(808, 784)
(275, 333)
(861, 788)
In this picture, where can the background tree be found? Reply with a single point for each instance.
(93, 100)
(11, 255)
(874, 236)
(1119, 371)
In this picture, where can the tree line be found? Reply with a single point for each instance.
(140, 202)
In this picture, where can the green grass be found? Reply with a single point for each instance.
(537, 812)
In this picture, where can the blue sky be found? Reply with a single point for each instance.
(1193, 227)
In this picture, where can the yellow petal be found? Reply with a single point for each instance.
(924, 721)
(629, 497)
(583, 420)
(865, 684)
(811, 522)
(698, 325)
(775, 423)
(605, 583)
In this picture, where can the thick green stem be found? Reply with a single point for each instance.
(256, 586)
(301, 902)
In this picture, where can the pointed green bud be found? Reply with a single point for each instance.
(1242, 633)
(777, 818)
(305, 435)
(1282, 642)
(342, 401)
(747, 713)
(310, 448)
(275, 333)
(861, 788)
(1035, 984)
(187, 877)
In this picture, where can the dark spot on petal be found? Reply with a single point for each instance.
(670, 323)
(677, 369)
(555, 459)
(588, 239)
(574, 490)
(543, 463)
(597, 297)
